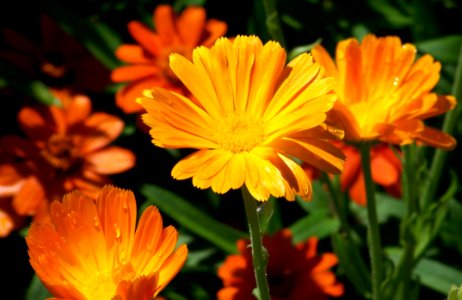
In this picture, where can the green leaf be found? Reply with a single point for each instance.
(186, 214)
(36, 290)
(392, 14)
(387, 207)
(97, 37)
(320, 199)
(351, 261)
(431, 273)
(445, 49)
(302, 49)
(17, 80)
(318, 224)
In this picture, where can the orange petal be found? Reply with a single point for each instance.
(111, 160)
(133, 54)
(145, 37)
(357, 190)
(436, 138)
(78, 109)
(29, 198)
(126, 96)
(215, 30)
(142, 288)
(135, 72)
(321, 56)
(191, 24)
(164, 20)
(383, 171)
(100, 129)
(352, 167)
(34, 124)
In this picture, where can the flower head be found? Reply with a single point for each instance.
(249, 115)
(67, 148)
(294, 271)
(58, 59)
(384, 94)
(148, 60)
(91, 250)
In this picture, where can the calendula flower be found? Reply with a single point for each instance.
(67, 148)
(57, 59)
(294, 271)
(91, 250)
(249, 115)
(148, 59)
(384, 93)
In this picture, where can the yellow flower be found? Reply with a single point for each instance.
(90, 250)
(383, 94)
(249, 115)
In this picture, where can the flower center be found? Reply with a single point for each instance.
(281, 284)
(60, 152)
(163, 62)
(239, 132)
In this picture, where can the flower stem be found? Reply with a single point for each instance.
(373, 234)
(450, 121)
(259, 254)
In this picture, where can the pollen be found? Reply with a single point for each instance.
(239, 132)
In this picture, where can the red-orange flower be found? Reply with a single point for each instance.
(58, 59)
(67, 148)
(294, 271)
(385, 168)
(383, 94)
(148, 60)
(91, 250)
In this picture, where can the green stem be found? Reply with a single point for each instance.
(450, 121)
(259, 254)
(406, 263)
(373, 234)
(272, 22)
(340, 209)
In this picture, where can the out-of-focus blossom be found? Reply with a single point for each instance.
(294, 271)
(384, 94)
(385, 167)
(91, 250)
(57, 59)
(148, 59)
(67, 148)
(250, 114)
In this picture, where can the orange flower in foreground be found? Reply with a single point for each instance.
(58, 59)
(294, 271)
(67, 149)
(383, 94)
(91, 250)
(250, 115)
(148, 60)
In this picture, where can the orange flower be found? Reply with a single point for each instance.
(58, 60)
(67, 149)
(383, 94)
(149, 60)
(294, 271)
(91, 250)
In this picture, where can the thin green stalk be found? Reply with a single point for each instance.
(373, 234)
(340, 208)
(272, 22)
(406, 264)
(450, 121)
(259, 254)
